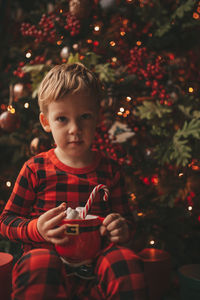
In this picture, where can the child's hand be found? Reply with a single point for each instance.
(47, 225)
(115, 226)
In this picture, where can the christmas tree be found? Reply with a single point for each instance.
(146, 55)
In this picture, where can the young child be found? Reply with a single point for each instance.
(69, 100)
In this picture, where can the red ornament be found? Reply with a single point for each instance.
(9, 122)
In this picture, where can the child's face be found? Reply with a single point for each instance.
(72, 121)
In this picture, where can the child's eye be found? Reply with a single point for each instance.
(61, 119)
(86, 116)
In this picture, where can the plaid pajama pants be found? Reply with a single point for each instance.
(41, 275)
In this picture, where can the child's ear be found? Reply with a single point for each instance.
(44, 122)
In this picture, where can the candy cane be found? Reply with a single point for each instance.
(93, 194)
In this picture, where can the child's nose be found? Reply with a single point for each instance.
(74, 127)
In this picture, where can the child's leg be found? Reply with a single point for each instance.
(38, 275)
(120, 275)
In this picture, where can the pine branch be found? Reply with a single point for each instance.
(149, 110)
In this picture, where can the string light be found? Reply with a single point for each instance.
(11, 109)
(28, 54)
(121, 109)
(128, 98)
(133, 197)
(119, 113)
(140, 214)
(26, 105)
(114, 59)
(61, 11)
(112, 43)
(59, 42)
(152, 242)
(122, 33)
(138, 43)
(96, 28)
(190, 208)
(195, 16)
(89, 41)
(180, 174)
(191, 90)
(8, 184)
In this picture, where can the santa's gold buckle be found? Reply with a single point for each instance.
(72, 229)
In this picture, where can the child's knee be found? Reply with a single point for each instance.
(37, 261)
(119, 261)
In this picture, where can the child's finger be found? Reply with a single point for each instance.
(56, 232)
(54, 221)
(54, 211)
(103, 230)
(110, 218)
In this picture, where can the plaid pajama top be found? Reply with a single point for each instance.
(44, 183)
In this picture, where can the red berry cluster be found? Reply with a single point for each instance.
(37, 60)
(19, 73)
(72, 24)
(105, 144)
(46, 31)
(149, 69)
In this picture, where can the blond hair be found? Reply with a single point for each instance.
(66, 79)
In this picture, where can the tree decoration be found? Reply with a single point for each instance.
(64, 53)
(9, 122)
(18, 90)
(40, 144)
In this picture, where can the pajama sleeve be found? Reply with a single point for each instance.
(15, 221)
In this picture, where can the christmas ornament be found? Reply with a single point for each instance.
(64, 53)
(9, 121)
(80, 8)
(39, 144)
(18, 90)
(121, 132)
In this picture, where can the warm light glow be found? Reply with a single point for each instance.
(59, 43)
(191, 90)
(133, 197)
(127, 112)
(190, 208)
(89, 41)
(138, 43)
(26, 105)
(61, 11)
(28, 54)
(140, 214)
(112, 43)
(122, 33)
(114, 59)
(195, 15)
(121, 109)
(11, 109)
(128, 98)
(96, 28)
(152, 242)
(180, 174)
(119, 113)
(8, 184)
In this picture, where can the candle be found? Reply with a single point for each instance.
(157, 271)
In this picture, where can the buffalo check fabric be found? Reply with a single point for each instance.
(40, 274)
(44, 183)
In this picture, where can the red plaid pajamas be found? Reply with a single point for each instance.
(41, 275)
(44, 183)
